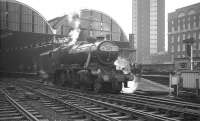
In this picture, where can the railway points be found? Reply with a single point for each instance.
(176, 110)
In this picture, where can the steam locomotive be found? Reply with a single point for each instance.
(87, 65)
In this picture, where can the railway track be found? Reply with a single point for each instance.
(178, 111)
(183, 104)
(12, 110)
(114, 109)
(127, 107)
(71, 112)
(103, 109)
(75, 112)
(170, 108)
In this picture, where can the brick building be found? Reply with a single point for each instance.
(184, 24)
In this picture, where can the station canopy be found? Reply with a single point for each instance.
(92, 24)
(19, 17)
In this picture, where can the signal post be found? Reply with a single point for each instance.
(189, 50)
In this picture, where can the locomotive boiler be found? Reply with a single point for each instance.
(88, 65)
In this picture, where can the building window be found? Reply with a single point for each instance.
(178, 21)
(172, 48)
(172, 29)
(179, 28)
(199, 45)
(199, 20)
(194, 35)
(189, 25)
(172, 39)
(195, 46)
(183, 36)
(178, 48)
(183, 47)
(183, 26)
(173, 21)
(178, 24)
(91, 33)
(199, 35)
(194, 24)
(178, 38)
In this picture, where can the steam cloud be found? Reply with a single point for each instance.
(67, 42)
(74, 20)
(124, 65)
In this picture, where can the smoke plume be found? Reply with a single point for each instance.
(74, 21)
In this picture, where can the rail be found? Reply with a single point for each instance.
(23, 111)
(123, 104)
(114, 107)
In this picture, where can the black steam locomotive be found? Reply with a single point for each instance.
(87, 64)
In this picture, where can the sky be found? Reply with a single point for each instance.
(119, 10)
